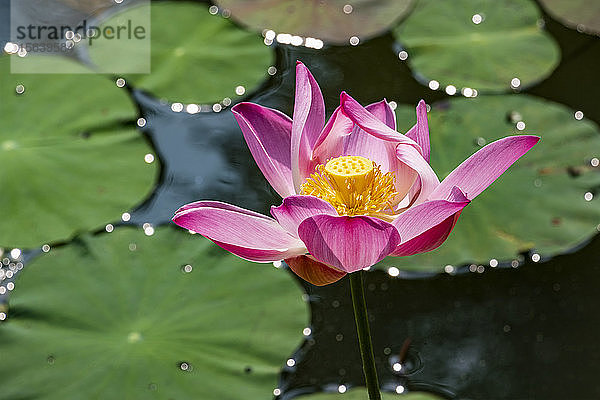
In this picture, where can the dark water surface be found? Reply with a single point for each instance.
(508, 333)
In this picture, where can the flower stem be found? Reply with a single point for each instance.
(364, 335)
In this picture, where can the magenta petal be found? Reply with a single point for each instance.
(308, 121)
(245, 233)
(383, 112)
(296, 209)
(419, 219)
(330, 143)
(428, 180)
(481, 169)
(348, 243)
(313, 271)
(428, 240)
(361, 143)
(268, 134)
(420, 132)
(370, 123)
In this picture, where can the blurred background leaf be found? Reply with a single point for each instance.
(448, 42)
(129, 316)
(70, 160)
(333, 21)
(202, 58)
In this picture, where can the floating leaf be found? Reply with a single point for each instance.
(361, 394)
(539, 203)
(583, 15)
(129, 316)
(480, 44)
(196, 57)
(332, 21)
(68, 161)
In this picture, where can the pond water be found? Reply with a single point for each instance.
(524, 330)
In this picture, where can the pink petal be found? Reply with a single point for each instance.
(296, 209)
(428, 180)
(245, 233)
(383, 112)
(425, 219)
(313, 271)
(481, 169)
(428, 240)
(420, 132)
(361, 143)
(330, 142)
(308, 121)
(370, 123)
(268, 134)
(407, 150)
(348, 243)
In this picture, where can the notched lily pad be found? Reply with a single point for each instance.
(68, 161)
(196, 57)
(583, 15)
(545, 201)
(361, 394)
(482, 44)
(168, 316)
(334, 21)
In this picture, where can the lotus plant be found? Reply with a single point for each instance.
(354, 191)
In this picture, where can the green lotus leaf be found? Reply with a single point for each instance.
(332, 21)
(361, 394)
(129, 316)
(445, 43)
(539, 203)
(583, 15)
(68, 161)
(196, 57)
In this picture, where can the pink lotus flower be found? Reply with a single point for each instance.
(354, 190)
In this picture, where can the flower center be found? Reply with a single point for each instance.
(353, 185)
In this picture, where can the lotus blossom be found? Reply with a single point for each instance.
(354, 189)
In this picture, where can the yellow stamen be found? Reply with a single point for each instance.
(353, 185)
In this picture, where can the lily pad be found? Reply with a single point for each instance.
(68, 161)
(542, 202)
(129, 316)
(196, 57)
(583, 15)
(481, 44)
(333, 21)
(361, 394)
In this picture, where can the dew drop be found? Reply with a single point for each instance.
(240, 90)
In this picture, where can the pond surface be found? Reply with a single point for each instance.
(524, 328)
